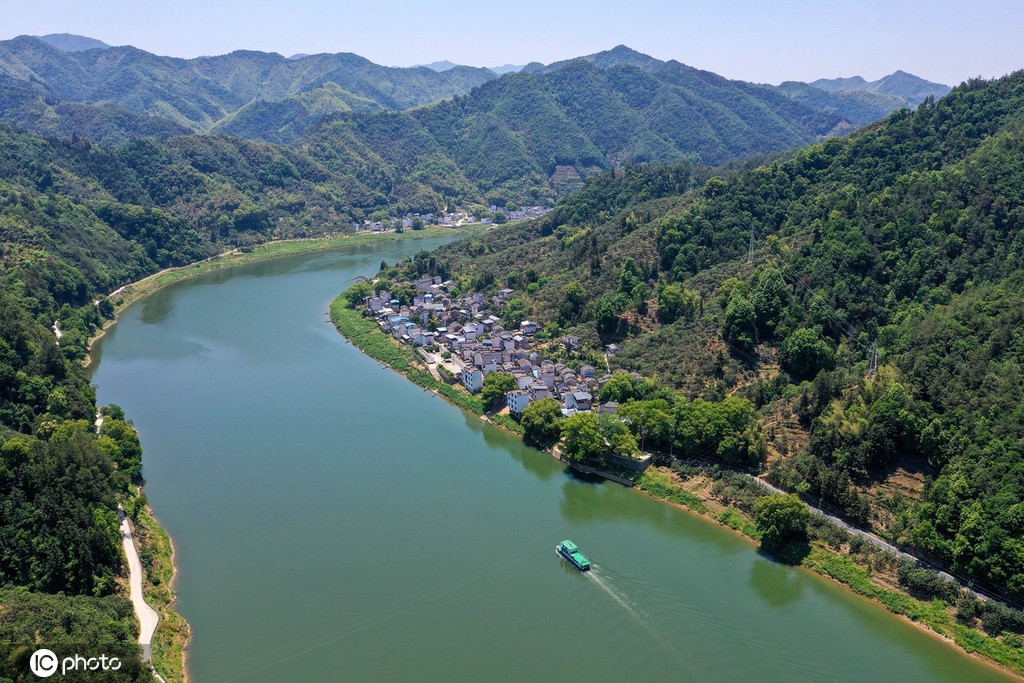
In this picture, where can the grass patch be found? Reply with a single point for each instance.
(662, 485)
(735, 519)
(508, 423)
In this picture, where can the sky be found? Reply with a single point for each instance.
(765, 42)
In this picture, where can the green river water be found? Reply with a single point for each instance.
(334, 522)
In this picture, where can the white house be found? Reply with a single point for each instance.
(517, 401)
(473, 379)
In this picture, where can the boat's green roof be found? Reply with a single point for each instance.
(569, 545)
(581, 558)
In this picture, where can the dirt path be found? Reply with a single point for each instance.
(148, 617)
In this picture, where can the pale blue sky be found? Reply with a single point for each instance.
(940, 40)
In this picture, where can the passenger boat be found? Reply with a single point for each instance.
(570, 552)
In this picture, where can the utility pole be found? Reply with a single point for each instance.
(750, 251)
(873, 370)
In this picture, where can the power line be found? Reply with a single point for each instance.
(790, 274)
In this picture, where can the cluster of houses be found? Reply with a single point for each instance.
(470, 329)
(523, 214)
(453, 219)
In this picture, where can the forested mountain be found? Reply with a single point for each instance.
(199, 93)
(856, 107)
(529, 137)
(29, 109)
(908, 233)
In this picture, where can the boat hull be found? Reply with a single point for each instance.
(583, 566)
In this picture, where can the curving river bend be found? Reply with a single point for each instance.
(335, 522)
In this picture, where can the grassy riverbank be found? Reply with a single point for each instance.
(368, 338)
(864, 569)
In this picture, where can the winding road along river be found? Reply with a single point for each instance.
(335, 522)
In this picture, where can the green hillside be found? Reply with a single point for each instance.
(908, 234)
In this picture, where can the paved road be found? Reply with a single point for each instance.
(869, 537)
(148, 617)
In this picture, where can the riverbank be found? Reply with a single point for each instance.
(857, 566)
(128, 294)
(156, 550)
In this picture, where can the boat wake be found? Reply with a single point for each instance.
(617, 596)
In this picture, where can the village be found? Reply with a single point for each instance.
(454, 219)
(462, 340)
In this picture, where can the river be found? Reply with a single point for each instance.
(335, 522)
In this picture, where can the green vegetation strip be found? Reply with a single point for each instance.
(933, 614)
(661, 485)
(735, 519)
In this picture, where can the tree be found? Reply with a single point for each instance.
(516, 311)
(574, 302)
(651, 421)
(739, 325)
(630, 277)
(357, 293)
(606, 314)
(781, 519)
(540, 422)
(770, 298)
(582, 437)
(804, 353)
(496, 385)
(128, 454)
(618, 440)
(675, 302)
(620, 388)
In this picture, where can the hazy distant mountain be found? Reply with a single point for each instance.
(900, 84)
(507, 69)
(299, 55)
(69, 42)
(855, 107)
(443, 65)
(620, 55)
